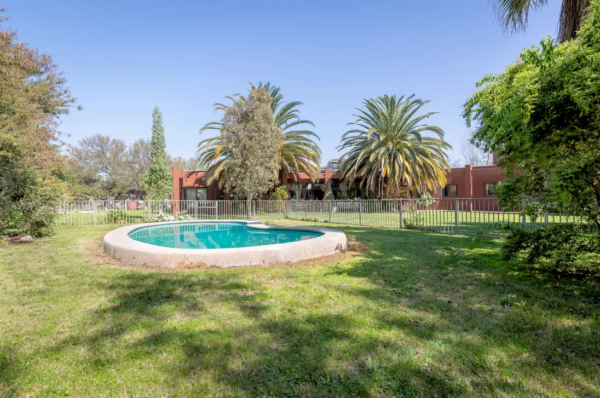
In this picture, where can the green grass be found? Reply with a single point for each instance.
(443, 221)
(417, 315)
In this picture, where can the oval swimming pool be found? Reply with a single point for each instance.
(217, 243)
(216, 235)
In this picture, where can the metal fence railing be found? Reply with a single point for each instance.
(102, 212)
(446, 215)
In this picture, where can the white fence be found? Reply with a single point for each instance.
(457, 216)
(102, 212)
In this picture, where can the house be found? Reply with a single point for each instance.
(463, 183)
(476, 183)
(193, 185)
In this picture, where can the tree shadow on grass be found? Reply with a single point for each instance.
(551, 324)
(9, 373)
(424, 317)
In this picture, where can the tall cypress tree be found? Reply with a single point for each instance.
(158, 182)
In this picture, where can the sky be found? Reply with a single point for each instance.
(123, 58)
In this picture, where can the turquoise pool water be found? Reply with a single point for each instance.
(222, 235)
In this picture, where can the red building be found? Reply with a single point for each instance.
(192, 185)
(463, 183)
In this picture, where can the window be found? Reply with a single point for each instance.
(489, 188)
(195, 194)
(302, 191)
(450, 190)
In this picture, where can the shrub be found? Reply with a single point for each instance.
(562, 244)
(280, 193)
(161, 217)
(28, 202)
(116, 217)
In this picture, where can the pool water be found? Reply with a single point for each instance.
(222, 235)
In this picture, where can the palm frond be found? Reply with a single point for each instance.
(387, 145)
(514, 14)
(298, 151)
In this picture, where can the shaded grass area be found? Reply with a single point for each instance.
(418, 315)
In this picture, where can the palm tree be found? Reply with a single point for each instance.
(299, 152)
(388, 147)
(513, 14)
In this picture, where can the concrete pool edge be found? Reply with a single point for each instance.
(119, 245)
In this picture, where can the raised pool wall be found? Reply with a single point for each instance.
(119, 245)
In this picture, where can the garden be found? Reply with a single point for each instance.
(419, 295)
(401, 313)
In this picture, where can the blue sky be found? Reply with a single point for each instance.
(121, 58)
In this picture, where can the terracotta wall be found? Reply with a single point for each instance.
(470, 182)
(193, 179)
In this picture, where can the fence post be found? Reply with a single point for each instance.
(330, 209)
(360, 212)
(524, 221)
(455, 216)
(400, 211)
(216, 209)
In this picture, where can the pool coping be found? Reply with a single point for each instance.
(119, 245)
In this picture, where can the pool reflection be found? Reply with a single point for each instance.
(215, 236)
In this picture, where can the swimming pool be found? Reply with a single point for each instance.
(215, 235)
(233, 243)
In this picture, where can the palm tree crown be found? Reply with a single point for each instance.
(388, 147)
(299, 152)
(513, 14)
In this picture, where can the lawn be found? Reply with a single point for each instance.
(406, 313)
(443, 221)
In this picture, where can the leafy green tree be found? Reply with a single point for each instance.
(139, 159)
(102, 167)
(542, 117)
(298, 150)
(186, 164)
(32, 96)
(252, 137)
(388, 150)
(158, 181)
(513, 14)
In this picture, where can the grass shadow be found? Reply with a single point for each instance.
(418, 315)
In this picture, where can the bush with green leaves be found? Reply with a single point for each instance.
(28, 202)
(280, 193)
(563, 245)
(116, 217)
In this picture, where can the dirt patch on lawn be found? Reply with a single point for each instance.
(353, 250)
(17, 240)
(92, 249)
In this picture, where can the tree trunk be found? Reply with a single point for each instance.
(572, 14)
(249, 207)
